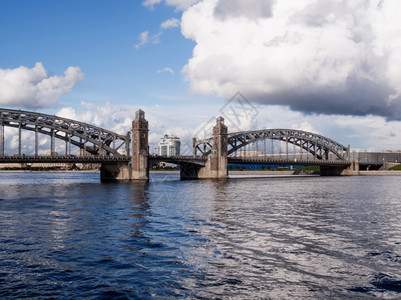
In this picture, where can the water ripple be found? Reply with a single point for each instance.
(69, 236)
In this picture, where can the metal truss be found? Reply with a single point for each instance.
(94, 140)
(319, 146)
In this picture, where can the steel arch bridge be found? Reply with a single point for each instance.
(92, 139)
(319, 146)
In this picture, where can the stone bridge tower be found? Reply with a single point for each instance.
(216, 165)
(140, 147)
(218, 157)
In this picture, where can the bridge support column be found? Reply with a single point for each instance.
(189, 171)
(140, 147)
(115, 171)
(139, 167)
(354, 168)
(335, 171)
(216, 165)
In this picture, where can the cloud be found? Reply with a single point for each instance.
(170, 23)
(252, 9)
(179, 4)
(151, 3)
(118, 118)
(329, 57)
(373, 133)
(168, 70)
(34, 88)
(145, 38)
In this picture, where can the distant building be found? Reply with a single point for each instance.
(169, 146)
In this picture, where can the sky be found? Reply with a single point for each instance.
(332, 67)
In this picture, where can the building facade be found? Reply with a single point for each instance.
(169, 146)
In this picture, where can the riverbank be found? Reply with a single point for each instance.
(280, 173)
(165, 172)
(376, 173)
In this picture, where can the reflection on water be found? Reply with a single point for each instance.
(68, 235)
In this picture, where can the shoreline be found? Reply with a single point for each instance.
(376, 173)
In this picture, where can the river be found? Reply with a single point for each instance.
(69, 236)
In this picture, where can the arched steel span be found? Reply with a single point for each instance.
(94, 140)
(319, 146)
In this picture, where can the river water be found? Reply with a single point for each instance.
(67, 235)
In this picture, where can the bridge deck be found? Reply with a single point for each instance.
(197, 160)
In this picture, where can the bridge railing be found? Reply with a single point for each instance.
(285, 161)
(62, 159)
(376, 158)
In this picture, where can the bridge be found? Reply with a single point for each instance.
(209, 160)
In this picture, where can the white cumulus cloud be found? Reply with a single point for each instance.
(374, 133)
(34, 88)
(253, 9)
(315, 56)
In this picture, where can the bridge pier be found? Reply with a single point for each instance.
(216, 165)
(138, 169)
(332, 171)
(354, 168)
(115, 171)
(189, 171)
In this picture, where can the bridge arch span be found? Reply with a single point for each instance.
(93, 139)
(319, 146)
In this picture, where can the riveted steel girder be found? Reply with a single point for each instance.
(70, 131)
(318, 145)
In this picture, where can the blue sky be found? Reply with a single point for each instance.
(330, 67)
(99, 37)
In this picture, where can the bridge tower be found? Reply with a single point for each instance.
(140, 147)
(218, 157)
(216, 165)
